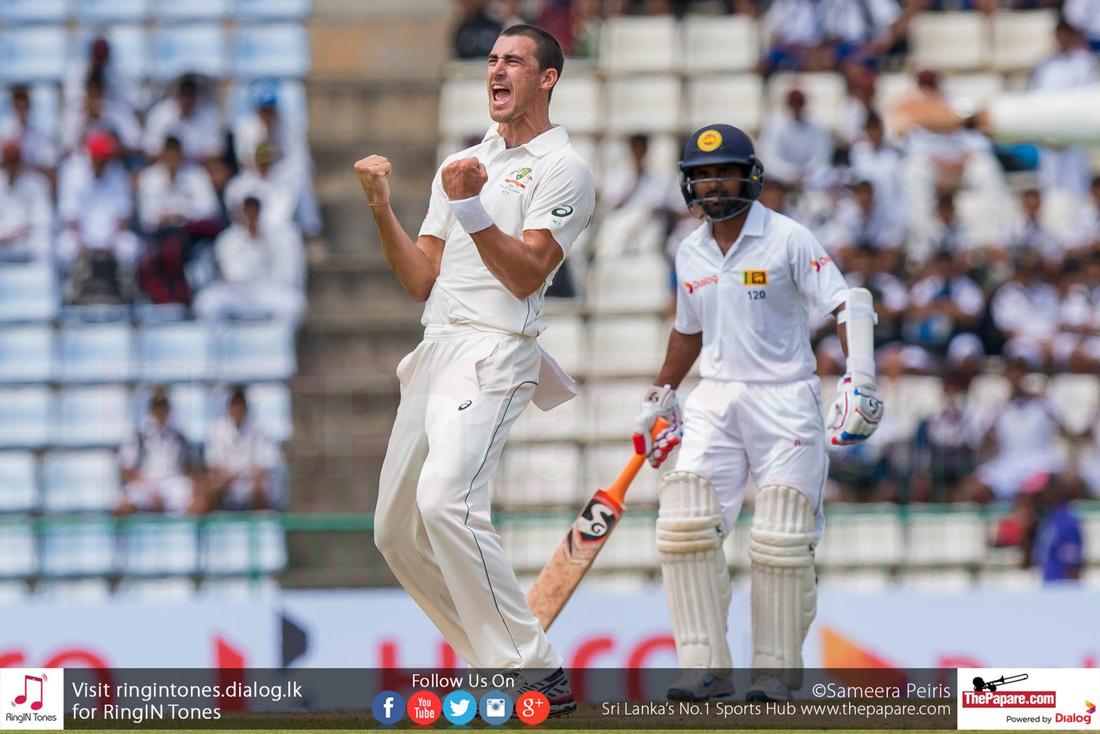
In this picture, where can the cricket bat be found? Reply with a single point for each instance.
(586, 537)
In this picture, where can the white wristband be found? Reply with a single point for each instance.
(861, 365)
(471, 214)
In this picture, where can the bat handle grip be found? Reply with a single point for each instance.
(617, 489)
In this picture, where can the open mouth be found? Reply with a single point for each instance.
(501, 94)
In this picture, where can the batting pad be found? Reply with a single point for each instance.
(784, 586)
(694, 571)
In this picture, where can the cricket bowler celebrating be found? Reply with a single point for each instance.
(502, 217)
(748, 279)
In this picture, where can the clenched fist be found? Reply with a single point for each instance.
(372, 172)
(464, 178)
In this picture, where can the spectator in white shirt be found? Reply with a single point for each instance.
(867, 267)
(266, 124)
(26, 209)
(186, 115)
(795, 37)
(36, 143)
(240, 461)
(944, 232)
(860, 219)
(876, 160)
(1022, 433)
(1026, 309)
(98, 112)
(278, 183)
(96, 203)
(794, 149)
(1027, 233)
(942, 303)
(1072, 65)
(262, 271)
(156, 464)
(174, 191)
(635, 200)
(945, 161)
(1077, 346)
(117, 86)
(861, 30)
(1085, 17)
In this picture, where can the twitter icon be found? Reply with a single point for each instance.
(459, 707)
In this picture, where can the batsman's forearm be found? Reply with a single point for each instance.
(683, 350)
(412, 267)
(513, 262)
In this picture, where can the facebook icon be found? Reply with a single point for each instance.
(388, 707)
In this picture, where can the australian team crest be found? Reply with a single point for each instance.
(517, 180)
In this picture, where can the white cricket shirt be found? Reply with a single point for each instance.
(542, 184)
(753, 305)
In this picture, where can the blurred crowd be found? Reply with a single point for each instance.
(808, 35)
(982, 258)
(151, 195)
(163, 472)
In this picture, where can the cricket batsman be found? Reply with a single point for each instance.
(501, 219)
(748, 279)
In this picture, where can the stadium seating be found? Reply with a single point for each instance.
(564, 423)
(193, 410)
(33, 53)
(80, 481)
(627, 346)
(1020, 39)
(825, 92)
(26, 354)
(462, 109)
(953, 536)
(736, 99)
(631, 45)
(32, 11)
(563, 339)
(577, 104)
(188, 48)
(175, 352)
(129, 45)
(25, 417)
(649, 104)
(113, 11)
(92, 416)
(79, 547)
(28, 293)
(96, 353)
(18, 481)
(273, 50)
(870, 537)
(159, 546)
(613, 408)
(269, 405)
(272, 9)
(193, 10)
(252, 352)
(950, 41)
(726, 43)
(635, 284)
(534, 475)
(252, 545)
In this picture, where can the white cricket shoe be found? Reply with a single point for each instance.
(768, 688)
(700, 684)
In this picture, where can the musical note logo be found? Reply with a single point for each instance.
(22, 698)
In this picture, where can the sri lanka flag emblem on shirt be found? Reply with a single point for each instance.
(820, 262)
(756, 277)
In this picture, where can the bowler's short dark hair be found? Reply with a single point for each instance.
(547, 49)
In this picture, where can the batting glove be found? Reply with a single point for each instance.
(856, 413)
(659, 402)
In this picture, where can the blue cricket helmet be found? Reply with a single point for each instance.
(716, 145)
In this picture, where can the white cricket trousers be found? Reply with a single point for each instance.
(774, 432)
(461, 391)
